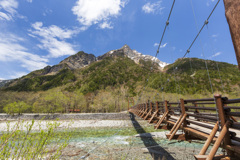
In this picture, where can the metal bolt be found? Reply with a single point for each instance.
(167, 23)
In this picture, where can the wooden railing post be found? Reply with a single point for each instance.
(183, 110)
(166, 105)
(223, 120)
(157, 108)
(166, 108)
(196, 110)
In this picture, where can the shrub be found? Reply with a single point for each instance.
(18, 144)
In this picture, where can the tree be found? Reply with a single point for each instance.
(16, 107)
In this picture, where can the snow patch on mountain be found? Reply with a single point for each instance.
(136, 56)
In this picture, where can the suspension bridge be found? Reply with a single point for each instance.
(214, 120)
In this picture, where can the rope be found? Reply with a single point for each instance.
(205, 58)
(167, 23)
(216, 61)
(190, 61)
(202, 46)
(205, 23)
(174, 75)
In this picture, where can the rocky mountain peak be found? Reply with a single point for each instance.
(126, 49)
(76, 61)
(82, 59)
(134, 55)
(79, 60)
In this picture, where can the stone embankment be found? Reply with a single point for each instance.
(71, 116)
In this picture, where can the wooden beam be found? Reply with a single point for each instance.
(222, 118)
(161, 120)
(218, 141)
(209, 140)
(177, 127)
(232, 10)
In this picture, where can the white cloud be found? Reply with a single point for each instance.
(156, 44)
(209, 2)
(91, 12)
(52, 31)
(164, 45)
(4, 16)
(15, 75)
(47, 11)
(8, 9)
(153, 7)
(105, 25)
(11, 50)
(214, 35)
(53, 39)
(215, 55)
(30, 1)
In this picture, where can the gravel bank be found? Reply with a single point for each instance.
(67, 124)
(72, 116)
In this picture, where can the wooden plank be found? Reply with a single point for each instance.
(230, 101)
(200, 100)
(197, 134)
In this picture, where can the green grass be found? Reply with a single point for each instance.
(106, 132)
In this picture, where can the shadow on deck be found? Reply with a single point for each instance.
(156, 151)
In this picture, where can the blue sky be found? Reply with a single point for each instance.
(37, 33)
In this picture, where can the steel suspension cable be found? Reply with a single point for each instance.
(190, 61)
(202, 45)
(205, 59)
(219, 74)
(167, 23)
(159, 45)
(199, 32)
(174, 75)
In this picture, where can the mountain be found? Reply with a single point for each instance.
(65, 71)
(73, 62)
(134, 55)
(128, 69)
(189, 75)
(3, 82)
(82, 59)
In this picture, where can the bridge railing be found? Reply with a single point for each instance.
(212, 119)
